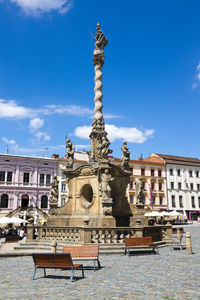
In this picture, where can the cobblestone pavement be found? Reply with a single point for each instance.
(170, 275)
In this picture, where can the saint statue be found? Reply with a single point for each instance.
(105, 188)
(140, 197)
(103, 148)
(69, 154)
(125, 156)
(54, 190)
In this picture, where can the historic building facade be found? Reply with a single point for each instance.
(25, 181)
(183, 184)
(152, 172)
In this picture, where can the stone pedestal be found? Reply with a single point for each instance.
(138, 218)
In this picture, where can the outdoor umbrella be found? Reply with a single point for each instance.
(175, 214)
(4, 220)
(164, 213)
(12, 220)
(152, 214)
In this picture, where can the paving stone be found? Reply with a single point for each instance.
(170, 275)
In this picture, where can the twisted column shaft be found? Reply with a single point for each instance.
(98, 93)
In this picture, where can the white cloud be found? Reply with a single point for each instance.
(36, 123)
(38, 7)
(10, 109)
(9, 142)
(130, 134)
(74, 110)
(42, 135)
(196, 82)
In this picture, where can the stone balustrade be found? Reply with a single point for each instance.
(88, 235)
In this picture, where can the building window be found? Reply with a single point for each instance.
(171, 171)
(2, 175)
(63, 176)
(41, 178)
(198, 187)
(44, 201)
(63, 187)
(173, 201)
(199, 201)
(153, 200)
(190, 173)
(197, 173)
(131, 199)
(160, 186)
(152, 172)
(159, 173)
(9, 176)
(193, 201)
(161, 200)
(4, 201)
(191, 186)
(179, 185)
(180, 201)
(143, 172)
(48, 178)
(63, 200)
(172, 185)
(131, 185)
(26, 178)
(179, 172)
(152, 185)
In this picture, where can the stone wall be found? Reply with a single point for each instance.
(89, 235)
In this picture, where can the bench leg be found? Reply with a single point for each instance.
(34, 272)
(82, 272)
(128, 253)
(72, 275)
(99, 265)
(94, 266)
(45, 272)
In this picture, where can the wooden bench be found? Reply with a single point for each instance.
(140, 244)
(84, 252)
(174, 230)
(55, 261)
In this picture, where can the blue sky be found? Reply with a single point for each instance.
(151, 75)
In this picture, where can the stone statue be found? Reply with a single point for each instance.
(103, 148)
(54, 197)
(125, 156)
(100, 42)
(54, 190)
(140, 197)
(69, 154)
(105, 188)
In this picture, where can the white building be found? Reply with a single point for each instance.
(183, 184)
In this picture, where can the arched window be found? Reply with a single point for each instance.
(44, 201)
(4, 201)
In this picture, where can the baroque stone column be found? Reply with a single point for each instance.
(98, 136)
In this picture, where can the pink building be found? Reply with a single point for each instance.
(25, 181)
